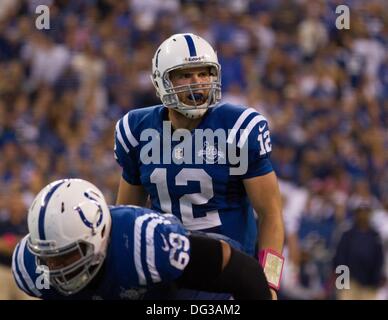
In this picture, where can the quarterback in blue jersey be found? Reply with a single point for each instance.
(203, 160)
(79, 248)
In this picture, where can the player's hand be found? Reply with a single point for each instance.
(273, 294)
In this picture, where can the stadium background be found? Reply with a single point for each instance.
(323, 90)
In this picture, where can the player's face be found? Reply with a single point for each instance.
(198, 75)
(55, 263)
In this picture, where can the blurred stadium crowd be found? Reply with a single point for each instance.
(324, 91)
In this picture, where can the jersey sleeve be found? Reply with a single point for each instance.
(28, 276)
(125, 151)
(256, 138)
(167, 249)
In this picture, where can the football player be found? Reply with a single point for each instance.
(158, 148)
(79, 248)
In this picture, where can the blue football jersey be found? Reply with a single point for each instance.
(146, 250)
(205, 195)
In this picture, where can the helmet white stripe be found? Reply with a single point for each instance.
(150, 234)
(247, 131)
(15, 270)
(239, 122)
(23, 270)
(120, 137)
(128, 133)
(137, 245)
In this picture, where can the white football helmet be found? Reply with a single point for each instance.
(69, 218)
(182, 51)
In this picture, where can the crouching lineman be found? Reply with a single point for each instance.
(87, 250)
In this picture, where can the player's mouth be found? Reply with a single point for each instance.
(196, 98)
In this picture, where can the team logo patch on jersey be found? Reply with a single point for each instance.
(178, 153)
(210, 153)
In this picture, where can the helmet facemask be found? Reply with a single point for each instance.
(199, 103)
(73, 276)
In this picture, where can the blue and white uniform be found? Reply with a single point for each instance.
(145, 249)
(204, 196)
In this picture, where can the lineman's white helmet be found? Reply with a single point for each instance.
(70, 217)
(182, 51)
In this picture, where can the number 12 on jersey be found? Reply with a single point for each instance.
(210, 220)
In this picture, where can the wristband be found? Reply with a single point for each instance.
(272, 263)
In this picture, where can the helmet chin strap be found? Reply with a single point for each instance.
(196, 112)
(193, 113)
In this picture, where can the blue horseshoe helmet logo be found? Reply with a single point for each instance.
(82, 215)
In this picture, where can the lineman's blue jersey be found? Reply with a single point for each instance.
(205, 196)
(145, 248)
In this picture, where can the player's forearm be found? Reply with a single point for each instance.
(264, 194)
(271, 235)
